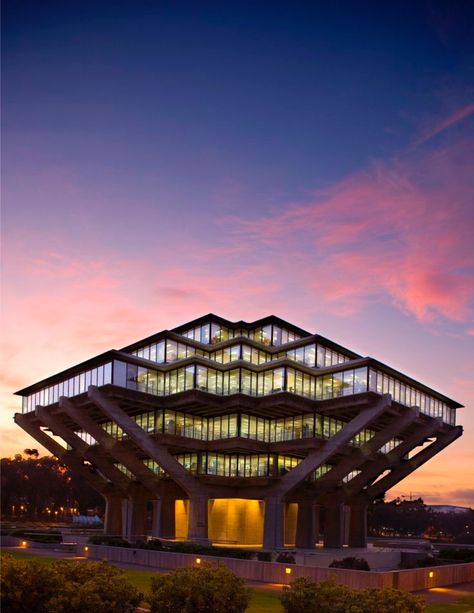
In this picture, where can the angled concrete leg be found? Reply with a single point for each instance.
(333, 525)
(358, 524)
(273, 523)
(305, 537)
(198, 519)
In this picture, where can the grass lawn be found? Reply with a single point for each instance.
(463, 605)
(261, 601)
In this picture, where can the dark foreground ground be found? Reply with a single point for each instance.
(453, 599)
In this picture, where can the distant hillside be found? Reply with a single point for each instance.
(447, 508)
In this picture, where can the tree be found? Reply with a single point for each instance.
(22, 496)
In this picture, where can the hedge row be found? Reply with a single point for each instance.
(192, 548)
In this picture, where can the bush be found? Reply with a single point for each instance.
(224, 552)
(457, 555)
(285, 557)
(350, 563)
(207, 589)
(154, 544)
(52, 536)
(264, 556)
(387, 600)
(25, 587)
(305, 596)
(92, 586)
(65, 587)
(111, 541)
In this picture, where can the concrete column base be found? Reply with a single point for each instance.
(333, 525)
(137, 518)
(273, 523)
(305, 534)
(113, 523)
(358, 524)
(198, 519)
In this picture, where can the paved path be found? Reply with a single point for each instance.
(436, 595)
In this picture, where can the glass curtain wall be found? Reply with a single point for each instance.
(240, 380)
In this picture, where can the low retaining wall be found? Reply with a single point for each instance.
(437, 576)
(274, 572)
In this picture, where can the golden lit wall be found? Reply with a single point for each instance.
(236, 521)
(181, 508)
(291, 512)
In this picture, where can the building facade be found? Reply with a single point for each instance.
(239, 433)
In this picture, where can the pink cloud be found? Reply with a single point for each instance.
(446, 123)
(398, 232)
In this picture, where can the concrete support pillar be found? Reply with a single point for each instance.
(305, 535)
(316, 510)
(333, 525)
(113, 524)
(137, 515)
(156, 517)
(273, 523)
(198, 519)
(358, 524)
(164, 519)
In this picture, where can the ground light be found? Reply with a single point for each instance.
(198, 560)
(288, 570)
(24, 543)
(86, 548)
(431, 574)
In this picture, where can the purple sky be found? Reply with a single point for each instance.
(164, 160)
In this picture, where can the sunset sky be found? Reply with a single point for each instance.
(314, 160)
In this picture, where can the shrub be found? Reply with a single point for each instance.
(305, 596)
(52, 536)
(350, 563)
(207, 589)
(154, 544)
(65, 587)
(25, 587)
(264, 556)
(92, 586)
(285, 557)
(209, 550)
(457, 555)
(111, 541)
(387, 600)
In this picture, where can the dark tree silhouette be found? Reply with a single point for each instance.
(38, 487)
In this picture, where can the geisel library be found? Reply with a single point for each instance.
(239, 433)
